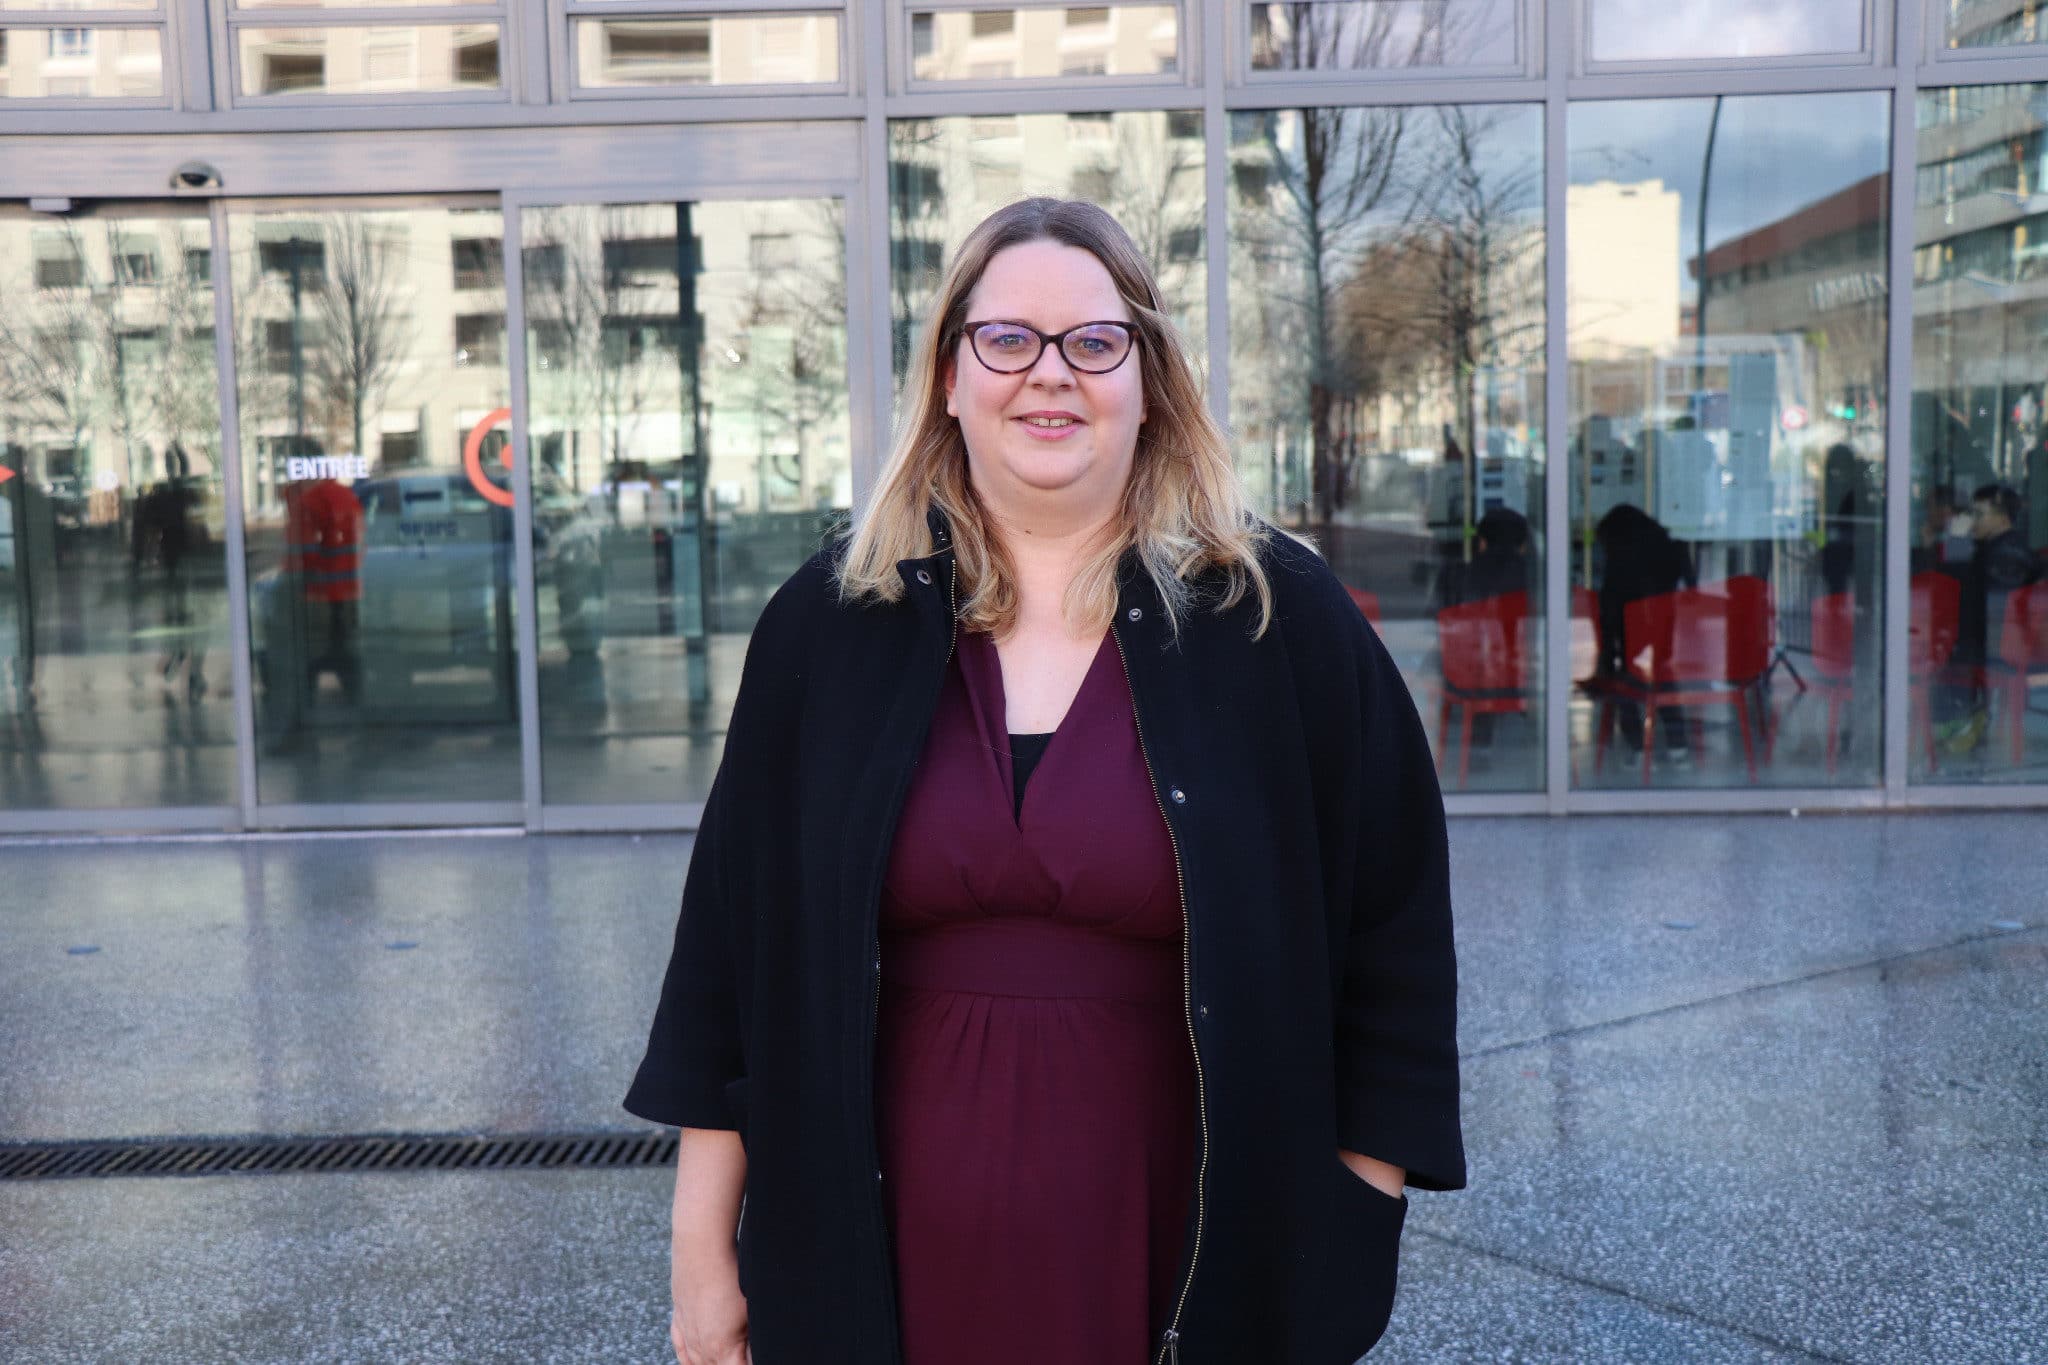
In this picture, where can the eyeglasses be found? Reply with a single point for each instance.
(1013, 347)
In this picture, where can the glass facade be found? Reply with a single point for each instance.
(405, 415)
(686, 373)
(1386, 361)
(371, 391)
(1727, 324)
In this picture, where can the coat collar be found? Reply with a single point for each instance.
(1135, 588)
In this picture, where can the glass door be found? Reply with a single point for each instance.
(372, 408)
(689, 432)
(117, 700)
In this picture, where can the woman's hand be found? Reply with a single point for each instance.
(1383, 1176)
(709, 1323)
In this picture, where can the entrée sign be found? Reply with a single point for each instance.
(298, 467)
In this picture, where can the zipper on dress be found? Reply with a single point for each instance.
(1169, 1345)
(875, 942)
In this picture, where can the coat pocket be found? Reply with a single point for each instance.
(1355, 1282)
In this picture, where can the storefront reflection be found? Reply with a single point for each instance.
(1386, 278)
(1728, 345)
(369, 356)
(113, 584)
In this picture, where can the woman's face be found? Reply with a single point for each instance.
(1050, 429)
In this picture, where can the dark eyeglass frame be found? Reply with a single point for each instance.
(1045, 339)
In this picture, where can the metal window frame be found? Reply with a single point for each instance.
(563, 16)
(1953, 60)
(228, 20)
(166, 20)
(1528, 66)
(1879, 45)
(903, 79)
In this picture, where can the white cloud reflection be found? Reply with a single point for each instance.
(1658, 30)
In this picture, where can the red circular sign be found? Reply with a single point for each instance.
(472, 458)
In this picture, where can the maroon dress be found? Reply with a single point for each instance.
(1035, 1097)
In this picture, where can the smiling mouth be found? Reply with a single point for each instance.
(1050, 421)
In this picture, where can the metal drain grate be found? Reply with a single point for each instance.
(305, 1155)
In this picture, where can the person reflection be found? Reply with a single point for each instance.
(1848, 496)
(319, 601)
(1499, 565)
(1639, 559)
(166, 533)
(2000, 563)
(28, 529)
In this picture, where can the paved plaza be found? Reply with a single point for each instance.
(1737, 1089)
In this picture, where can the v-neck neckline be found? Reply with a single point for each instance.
(992, 713)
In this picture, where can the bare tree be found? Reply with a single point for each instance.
(366, 331)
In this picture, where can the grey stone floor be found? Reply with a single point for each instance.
(1736, 1089)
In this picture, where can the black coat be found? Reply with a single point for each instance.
(1299, 790)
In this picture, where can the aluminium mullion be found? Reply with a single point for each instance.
(1896, 601)
(1216, 209)
(240, 633)
(871, 201)
(1068, 99)
(525, 587)
(1558, 531)
(1461, 89)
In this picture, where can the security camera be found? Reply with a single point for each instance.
(195, 175)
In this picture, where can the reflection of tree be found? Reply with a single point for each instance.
(365, 331)
(1156, 193)
(604, 338)
(1456, 286)
(798, 385)
(1319, 229)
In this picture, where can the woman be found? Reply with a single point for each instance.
(1064, 969)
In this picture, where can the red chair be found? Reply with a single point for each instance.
(1931, 633)
(1834, 660)
(1368, 604)
(1705, 647)
(2022, 651)
(1481, 644)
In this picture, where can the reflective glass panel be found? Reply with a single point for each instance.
(686, 375)
(769, 49)
(1980, 435)
(358, 4)
(369, 356)
(114, 686)
(1347, 35)
(946, 175)
(1992, 23)
(418, 59)
(1655, 30)
(81, 63)
(1726, 316)
(991, 45)
(1386, 387)
(58, 6)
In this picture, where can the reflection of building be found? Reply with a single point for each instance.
(1123, 40)
(1624, 295)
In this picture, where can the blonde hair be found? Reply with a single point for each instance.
(1184, 509)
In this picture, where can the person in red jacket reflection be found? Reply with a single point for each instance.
(323, 593)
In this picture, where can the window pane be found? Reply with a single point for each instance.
(1727, 331)
(113, 589)
(425, 59)
(1980, 433)
(81, 63)
(1386, 387)
(1654, 30)
(379, 533)
(58, 6)
(1346, 35)
(1993, 23)
(357, 4)
(782, 49)
(686, 366)
(945, 175)
(1040, 44)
